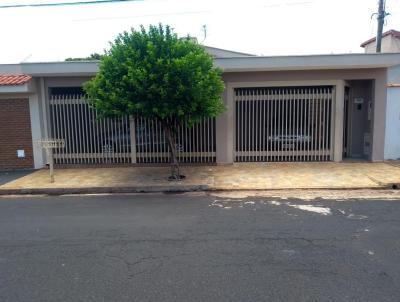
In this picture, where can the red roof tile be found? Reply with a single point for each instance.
(391, 32)
(14, 79)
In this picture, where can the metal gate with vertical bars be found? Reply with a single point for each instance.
(194, 144)
(93, 140)
(283, 124)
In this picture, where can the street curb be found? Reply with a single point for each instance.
(104, 190)
(169, 189)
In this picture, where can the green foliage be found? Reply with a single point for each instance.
(155, 74)
(92, 57)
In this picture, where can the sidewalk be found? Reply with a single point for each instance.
(246, 176)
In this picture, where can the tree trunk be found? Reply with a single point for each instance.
(170, 135)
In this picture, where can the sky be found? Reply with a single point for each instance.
(261, 27)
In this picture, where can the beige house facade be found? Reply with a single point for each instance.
(390, 42)
(287, 109)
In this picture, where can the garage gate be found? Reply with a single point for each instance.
(284, 124)
(90, 139)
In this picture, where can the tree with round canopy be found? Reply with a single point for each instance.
(157, 75)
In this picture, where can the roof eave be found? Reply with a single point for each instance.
(26, 88)
(298, 68)
(317, 62)
(237, 64)
(79, 68)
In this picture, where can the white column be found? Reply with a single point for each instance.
(225, 129)
(43, 113)
(338, 126)
(44, 107)
(379, 117)
(36, 130)
(392, 137)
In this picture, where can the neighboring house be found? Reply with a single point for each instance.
(15, 122)
(390, 42)
(223, 53)
(284, 108)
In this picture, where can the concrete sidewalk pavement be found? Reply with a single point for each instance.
(244, 176)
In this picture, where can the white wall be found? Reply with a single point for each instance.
(36, 129)
(389, 44)
(392, 135)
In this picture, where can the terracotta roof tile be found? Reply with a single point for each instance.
(14, 79)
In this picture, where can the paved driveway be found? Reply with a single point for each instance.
(198, 248)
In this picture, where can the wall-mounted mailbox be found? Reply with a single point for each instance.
(20, 153)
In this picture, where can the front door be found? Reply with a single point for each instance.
(357, 119)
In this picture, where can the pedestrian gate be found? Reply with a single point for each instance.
(283, 124)
(90, 139)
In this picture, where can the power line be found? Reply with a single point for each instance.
(144, 15)
(64, 3)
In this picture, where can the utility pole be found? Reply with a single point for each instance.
(381, 20)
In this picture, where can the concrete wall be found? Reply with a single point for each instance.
(389, 44)
(64, 81)
(392, 135)
(396, 45)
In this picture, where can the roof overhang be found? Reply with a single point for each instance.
(24, 88)
(237, 64)
(16, 83)
(79, 68)
(312, 62)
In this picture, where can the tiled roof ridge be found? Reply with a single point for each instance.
(14, 79)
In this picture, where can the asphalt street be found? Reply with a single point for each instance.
(198, 247)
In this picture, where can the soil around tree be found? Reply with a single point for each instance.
(176, 177)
